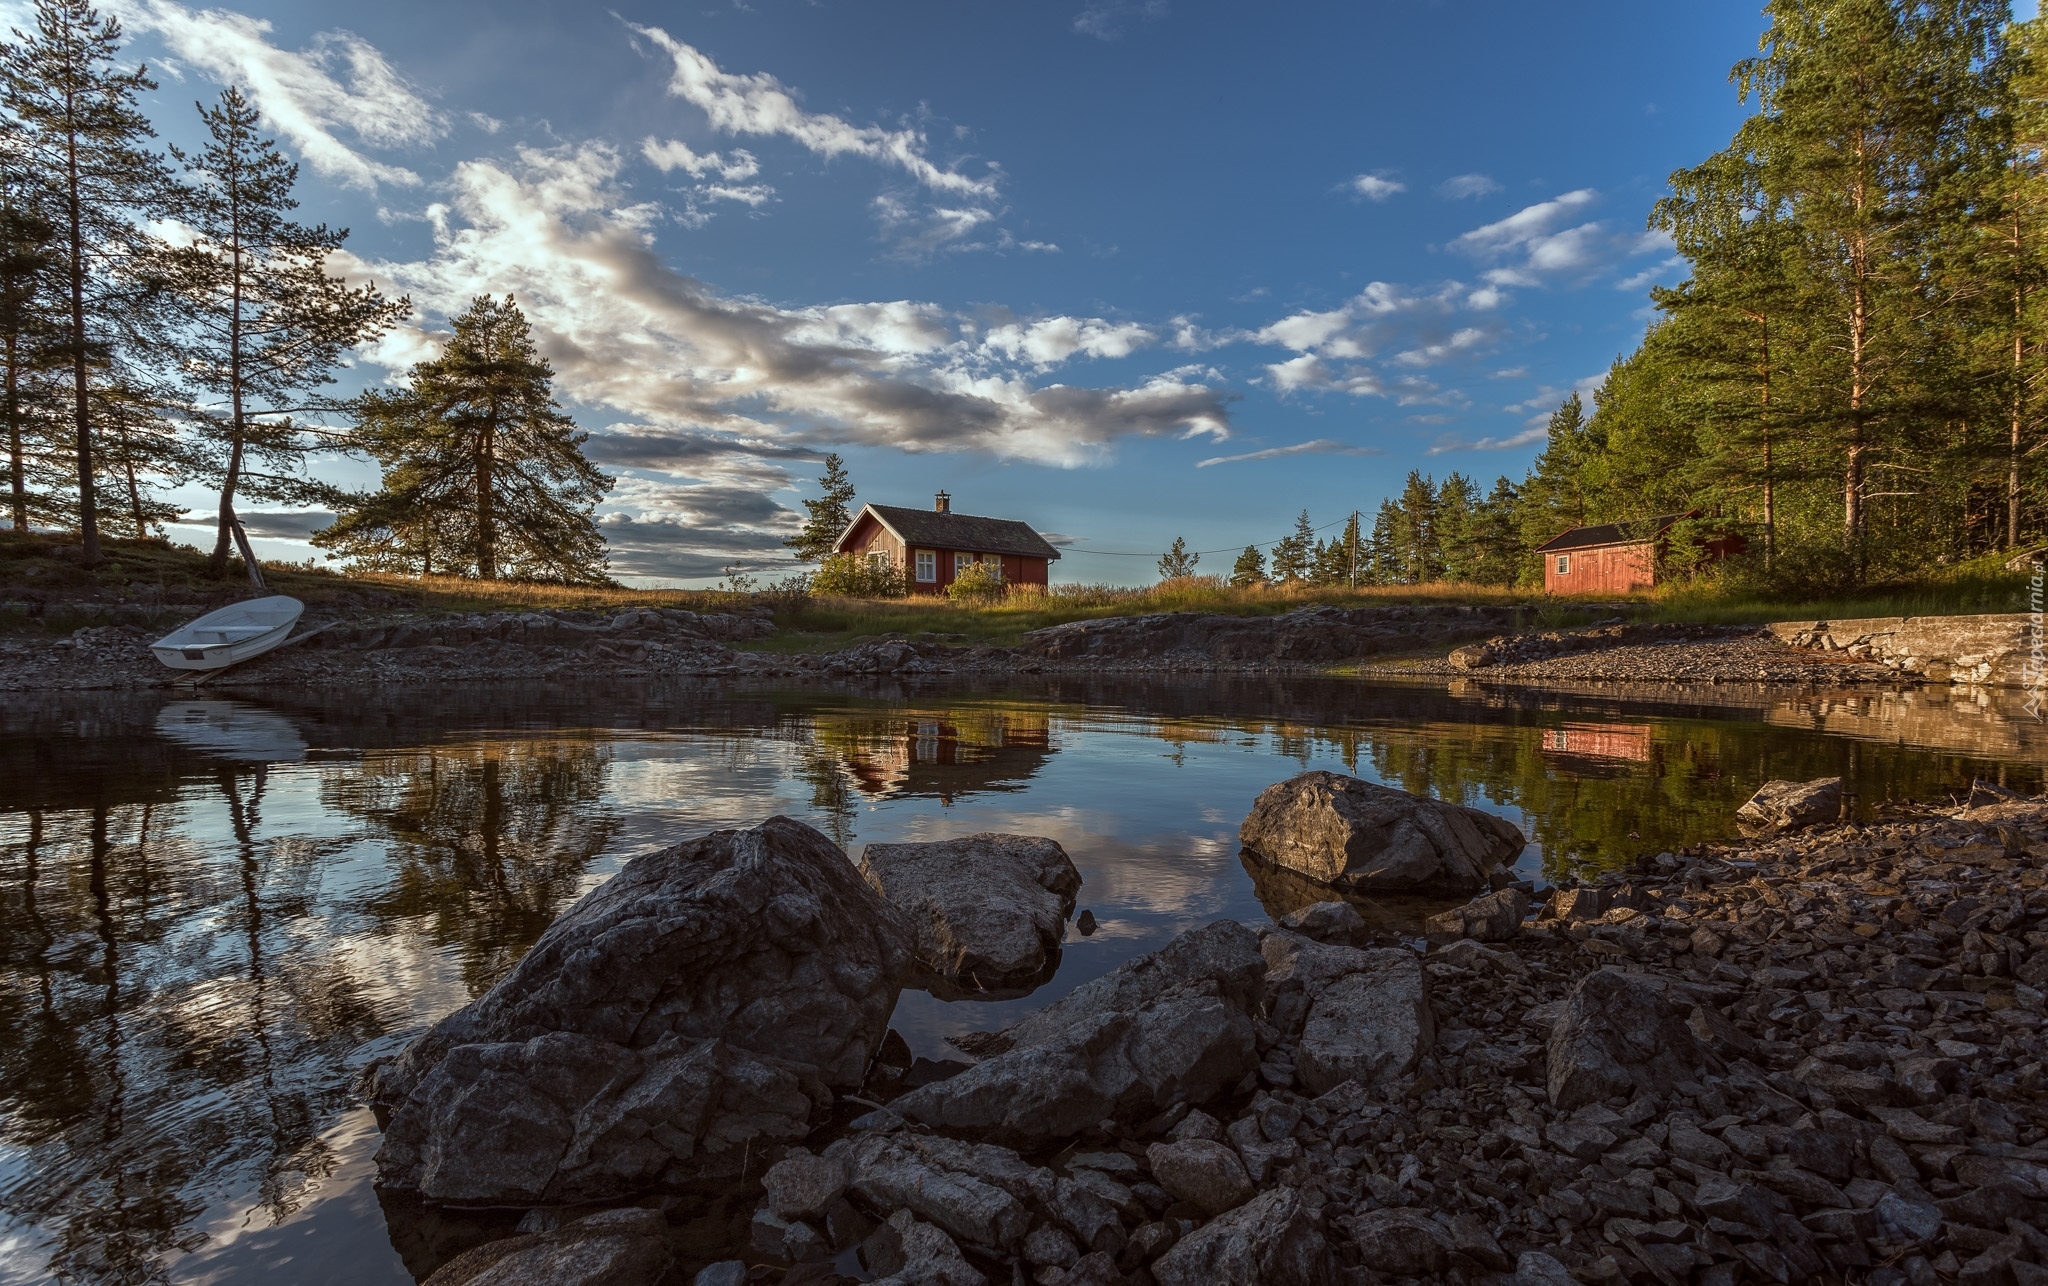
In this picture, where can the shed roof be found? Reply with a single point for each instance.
(965, 532)
(1613, 533)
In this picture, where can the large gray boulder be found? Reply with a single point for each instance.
(980, 1195)
(1789, 805)
(699, 1008)
(990, 910)
(1359, 836)
(1620, 1032)
(1170, 1027)
(1363, 1016)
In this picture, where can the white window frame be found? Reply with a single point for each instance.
(961, 562)
(879, 560)
(927, 565)
(995, 562)
(1564, 564)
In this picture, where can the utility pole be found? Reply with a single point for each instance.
(1351, 576)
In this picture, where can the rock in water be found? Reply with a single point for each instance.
(990, 910)
(611, 1248)
(1175, 1026)
(1356, 835)
(697, 1008)
(1789, 805)
(1619, 1032)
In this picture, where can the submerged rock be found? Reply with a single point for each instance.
(1167, 1028)
(990, 910)
(696, 1009)
(1357, 835)
(1789, 805)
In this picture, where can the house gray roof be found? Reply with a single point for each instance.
(965, 532)
(1612, 533)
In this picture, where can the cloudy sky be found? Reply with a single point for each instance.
(1124, 269)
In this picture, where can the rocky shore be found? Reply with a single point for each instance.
(1655, 653)
(1812, 1055)
(529, 647)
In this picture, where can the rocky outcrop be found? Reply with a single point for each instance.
(1173, 1027)
(697, 1009)
(1363, 837)
(626, 1247)
(1272, 1241)
(1986, 649)
(1788, 805)
(1491, 917)
(990, 910)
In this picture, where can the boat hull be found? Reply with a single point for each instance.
(217, 656)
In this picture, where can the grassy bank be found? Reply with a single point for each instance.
(47, 567)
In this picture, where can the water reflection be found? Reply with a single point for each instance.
(213, 913)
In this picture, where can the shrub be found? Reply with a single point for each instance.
(977, 583)
(851, 576)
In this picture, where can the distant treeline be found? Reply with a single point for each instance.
(164, 321)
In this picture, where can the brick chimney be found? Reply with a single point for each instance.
(942, 503)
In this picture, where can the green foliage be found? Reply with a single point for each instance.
(1249, 569)
(1177, 563)
(483, 474)
(852, 576)
(831, 514)
(1292, 554)
(978, 582)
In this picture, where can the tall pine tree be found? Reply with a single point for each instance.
(831, 513)
(81, 132)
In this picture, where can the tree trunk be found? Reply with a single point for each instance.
(88, 516)
(17, 457)
(2012, 476)
(217, 565)
(486, 518)
(1852, 468)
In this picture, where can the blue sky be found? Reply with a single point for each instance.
(1126, 270)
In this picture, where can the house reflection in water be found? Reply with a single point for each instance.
(1600, 741)
(942, 754)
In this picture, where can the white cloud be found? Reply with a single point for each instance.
(1526, 226)
(1546, 241)
(627, 332)
(1376, 187)
(1430, 354)
(1321, 446)
(299, 94)
(1525, 438)
(676, 155)
(1655, 272)
(759, 104)
(1462, 186)
(1104, 19)
(1053, 340)
(1334, 346)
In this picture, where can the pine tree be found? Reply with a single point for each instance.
(1292, 554)
(1177, 563)
(1420, 551)
(1386, 544)
(1557, 496)
(1457, 514)
(29, 328)
(84, 139)
(1249, 569)
(831, 514)
(483, 474)
(264, 322)
(1494, 548)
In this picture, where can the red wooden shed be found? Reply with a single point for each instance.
(1617, 557)
(936, 544)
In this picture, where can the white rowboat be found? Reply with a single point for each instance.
(234, 633)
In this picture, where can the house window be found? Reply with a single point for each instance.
(995, 566)
(961, 562)
(1564, 564)
(878, 559)
(927, 565)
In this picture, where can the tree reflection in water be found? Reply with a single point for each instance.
(488, 840)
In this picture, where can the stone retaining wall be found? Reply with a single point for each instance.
(1990, 649)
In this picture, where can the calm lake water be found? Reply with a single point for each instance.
(214, 912)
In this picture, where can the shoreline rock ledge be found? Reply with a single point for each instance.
(1366, 838)
(704, 1005)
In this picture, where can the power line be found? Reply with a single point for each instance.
(1121, 553)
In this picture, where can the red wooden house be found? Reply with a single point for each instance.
(936, 544)
(1617, 557)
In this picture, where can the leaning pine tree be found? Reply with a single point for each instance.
(264, 322)
(483, 474)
